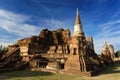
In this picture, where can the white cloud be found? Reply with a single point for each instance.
(16, 24)
(4, 14)
(108, 24)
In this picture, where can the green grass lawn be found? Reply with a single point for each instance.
(110, 73)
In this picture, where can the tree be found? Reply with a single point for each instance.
(3, 50)
(117, 54)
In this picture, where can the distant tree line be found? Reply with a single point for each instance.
(3, 50)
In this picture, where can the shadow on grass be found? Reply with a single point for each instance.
(23, 73)
(111, 69)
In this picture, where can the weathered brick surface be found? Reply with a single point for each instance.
(72, 64)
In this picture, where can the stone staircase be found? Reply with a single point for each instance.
(9, 53)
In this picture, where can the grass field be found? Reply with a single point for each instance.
(110, 73)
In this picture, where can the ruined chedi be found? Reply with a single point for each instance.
(108, 53)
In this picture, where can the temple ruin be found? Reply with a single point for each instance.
(58, 51)
(108, 53)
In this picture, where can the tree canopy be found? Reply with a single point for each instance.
(117, 54)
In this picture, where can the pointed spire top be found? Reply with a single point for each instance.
(77, 21)
(77, 13)
(105, 44)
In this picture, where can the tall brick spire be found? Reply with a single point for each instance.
(78, 27)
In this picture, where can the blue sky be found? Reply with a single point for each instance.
(24, 18)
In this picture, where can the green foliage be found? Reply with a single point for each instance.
(3, 50)
(117, 54)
